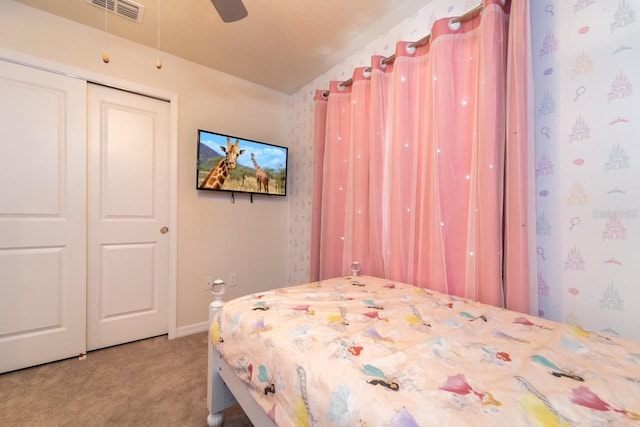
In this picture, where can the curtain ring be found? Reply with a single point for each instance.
(383, 65)
(410, 48)
(325, 94)
(366, 72)
(454, 25)
(341, 86)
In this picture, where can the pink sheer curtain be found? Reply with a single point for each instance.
(413, 183)
(356, 236)
(379, 89)
(320, 122)
(520, 233)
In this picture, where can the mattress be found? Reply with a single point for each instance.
(367, 351)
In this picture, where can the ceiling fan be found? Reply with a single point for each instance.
(230, 10)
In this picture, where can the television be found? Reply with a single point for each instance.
(240, 165)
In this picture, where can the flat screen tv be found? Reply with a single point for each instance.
(240, 165)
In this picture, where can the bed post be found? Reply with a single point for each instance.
(218, 395)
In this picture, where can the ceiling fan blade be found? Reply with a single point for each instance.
(230, 10)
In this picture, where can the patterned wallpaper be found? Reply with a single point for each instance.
(586, 59)
(412, 28)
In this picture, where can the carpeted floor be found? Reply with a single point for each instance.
(153, 382)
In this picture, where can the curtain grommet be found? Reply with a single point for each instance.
(410, 48)
(366, 73)
(383, 65)
(341, 87)
(454, 25)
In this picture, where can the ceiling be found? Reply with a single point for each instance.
(281, 44)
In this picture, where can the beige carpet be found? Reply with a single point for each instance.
(153, 382)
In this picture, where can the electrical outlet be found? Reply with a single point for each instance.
(208, 281)
(233, 279)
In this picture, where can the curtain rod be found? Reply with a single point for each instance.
(388, 60)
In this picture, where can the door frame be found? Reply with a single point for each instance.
(171, 97)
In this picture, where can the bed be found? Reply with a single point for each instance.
(366, 351)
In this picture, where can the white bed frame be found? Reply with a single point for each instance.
(224, 388)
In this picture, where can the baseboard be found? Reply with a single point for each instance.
(194, 328)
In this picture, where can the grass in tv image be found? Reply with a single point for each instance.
(234, 164)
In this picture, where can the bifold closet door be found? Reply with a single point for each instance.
(128, 216)
(42, 216)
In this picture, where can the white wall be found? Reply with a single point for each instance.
(586, 70)
(412, 28)
(215, 237)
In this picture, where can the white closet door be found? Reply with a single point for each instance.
(128, 249)
(42, 216)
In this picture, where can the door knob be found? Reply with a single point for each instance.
(164, 230)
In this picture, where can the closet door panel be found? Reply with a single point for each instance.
(42, 216)
(128, 217)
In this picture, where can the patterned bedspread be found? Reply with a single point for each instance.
(371, 352)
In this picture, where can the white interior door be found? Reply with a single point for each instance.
(128, 187)
(42, 216)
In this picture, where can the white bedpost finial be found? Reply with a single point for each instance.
(216, 390)
(218, 288)
(355, 268)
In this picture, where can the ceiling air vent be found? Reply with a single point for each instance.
(125, 8)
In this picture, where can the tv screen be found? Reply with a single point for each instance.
(230, 163)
